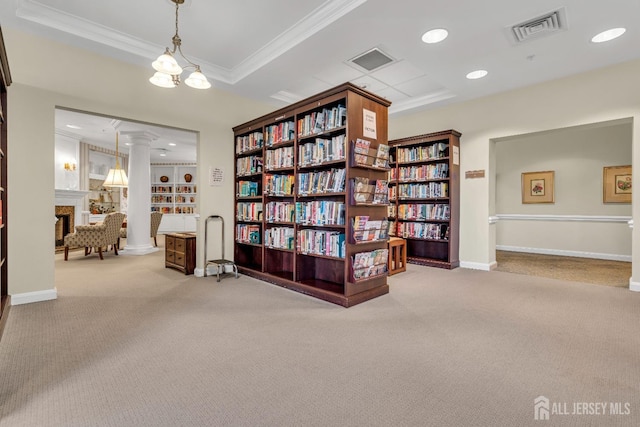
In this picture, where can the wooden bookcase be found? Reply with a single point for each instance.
(424, 190)
(294, 223)
(5, 81)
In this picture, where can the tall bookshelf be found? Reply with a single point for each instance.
(298, 221)
(174, 194)
(424, 190)
(5, 81)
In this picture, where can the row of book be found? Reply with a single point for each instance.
(321, 151)
(172, 210)
(365, 155)
(185, 189)
(317, 182)
(249, 142)
(368, 230)
(431, 190)
(318, 242)
(247, 188)
(279, 133)
(426, 152)
(280, 212)
(320, 212)
(161, 189)
(421, 230)
(248, 165)
(369, 264)
(249, 211)
(367, 191)
(321, 121)
(421, 212)
(279, 158)
(279, 185)
(185, 199)
(248, 233)
(279, 237)
(161, 199)
(392, 210)
(416, 173)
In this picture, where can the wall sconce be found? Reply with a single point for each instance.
(70, 166)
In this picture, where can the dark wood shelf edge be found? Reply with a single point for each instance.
(5, 305)
(332, 297)
(429, 262)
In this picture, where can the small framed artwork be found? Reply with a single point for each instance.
(616, 182)
(537, 187)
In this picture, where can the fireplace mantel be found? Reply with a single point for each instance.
(73, 198)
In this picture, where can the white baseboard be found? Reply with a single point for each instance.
(559, 252)
(211, 271)
(37, 296)
(478, 265)
(634, 286)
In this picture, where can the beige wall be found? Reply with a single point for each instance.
(47, 75)
(577, 156)
(598, 96)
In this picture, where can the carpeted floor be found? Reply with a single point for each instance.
(585, 270)
(131, 343)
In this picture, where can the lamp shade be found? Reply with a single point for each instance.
(167, 64)
(197, 80)
(116, 178)
(162, 80)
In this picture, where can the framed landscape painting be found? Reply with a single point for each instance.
(537, 187)
(616, 182)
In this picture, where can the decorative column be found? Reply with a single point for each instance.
(139, 198)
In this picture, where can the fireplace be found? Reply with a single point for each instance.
(65, 223)
(69, 213)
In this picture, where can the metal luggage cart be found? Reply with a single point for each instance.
(219, 263)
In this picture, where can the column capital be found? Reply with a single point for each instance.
(139, 136)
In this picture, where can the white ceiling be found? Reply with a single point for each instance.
(281, 51)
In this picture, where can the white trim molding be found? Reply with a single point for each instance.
(630, 222)
(478, 265)
(37, 296)
(567, 218)
(493, 219)
(560, 252)
(634, 286)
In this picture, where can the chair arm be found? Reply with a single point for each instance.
(81, 228)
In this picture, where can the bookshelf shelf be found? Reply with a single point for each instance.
(426, 175)
(310, 140)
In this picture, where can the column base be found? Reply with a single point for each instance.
(140, 250)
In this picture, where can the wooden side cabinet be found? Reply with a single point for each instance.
(180, 252)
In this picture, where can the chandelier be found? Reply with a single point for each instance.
(167, 69)
(116, 176)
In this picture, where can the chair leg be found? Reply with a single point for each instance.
(87, 250)
(66, 253)
(115, 248)
(100, 252)
(155, 241)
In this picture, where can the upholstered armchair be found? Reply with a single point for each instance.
(156, 218)
(96, 236)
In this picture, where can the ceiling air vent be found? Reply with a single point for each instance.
(372, 59)
(541, 26)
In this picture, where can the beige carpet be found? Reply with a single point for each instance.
(130, 343)
(585, 270)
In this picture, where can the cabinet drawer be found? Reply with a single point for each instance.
(170, 256)
(170, 242)
(179, 245)
(179, 259)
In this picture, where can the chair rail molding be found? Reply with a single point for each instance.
(565, 218)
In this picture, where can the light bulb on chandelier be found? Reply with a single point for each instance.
(167, 69)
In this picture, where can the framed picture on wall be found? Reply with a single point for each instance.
(616, 182)
(537, 187)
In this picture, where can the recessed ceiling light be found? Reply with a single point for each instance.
(74, 127)
(173, 144)
(611, 34)
(478, 74)
(163, 154)
(435, 36)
